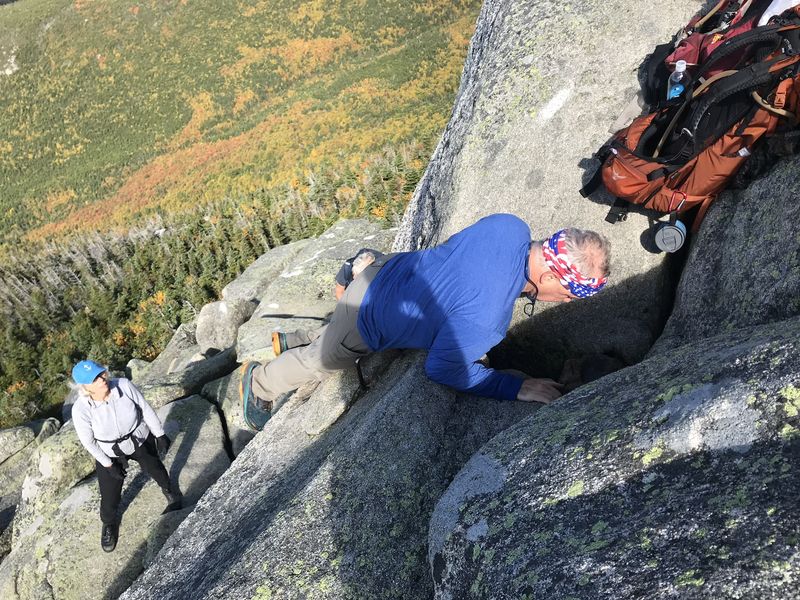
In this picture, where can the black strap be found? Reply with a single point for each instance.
(593, 183)
(596, 179)
(759, 35)
(618, 211)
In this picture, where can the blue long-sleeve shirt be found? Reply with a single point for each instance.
(456, 300)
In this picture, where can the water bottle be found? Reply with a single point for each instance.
(676, 84)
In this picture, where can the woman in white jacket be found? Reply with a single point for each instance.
(115, 423)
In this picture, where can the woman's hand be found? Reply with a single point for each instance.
(116, 471)
(162, 444)
(539, 390)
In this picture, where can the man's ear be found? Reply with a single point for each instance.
(547, 276)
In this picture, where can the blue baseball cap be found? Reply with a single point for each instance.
(86, 371)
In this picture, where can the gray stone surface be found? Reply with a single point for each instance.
(190, 380)
(136, 370)
(542, 84)
(253, 282)
(14, 439)
(14, 468)
(58, 555)
(342, 514)
(179, 351)
(659, 481)
(218, 323)
(744, 265)
(56, 465)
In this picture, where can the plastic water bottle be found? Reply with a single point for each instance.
(676, 84)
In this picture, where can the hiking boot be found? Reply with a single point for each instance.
(108, 539)
(255, 411)
(279, 343)
(174, 500)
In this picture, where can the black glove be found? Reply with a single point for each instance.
(162, 444)
(116, 471)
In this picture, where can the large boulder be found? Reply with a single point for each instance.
(187, 381)
(61, 558)
(218, 323)
(181, 350)
(14, 468)
(663, 480)
(14, 439)
(256, 278)
(744, 265)
(56, 465)
(542, 84)
(341, 514)
(301, 295)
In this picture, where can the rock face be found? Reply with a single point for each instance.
(342, 514)
(542, 84)
(662, 480)
(218, 323)
(56, 552)
(744, 267)
(187, 381)
(19, 444)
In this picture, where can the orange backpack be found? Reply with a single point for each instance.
(684, 152)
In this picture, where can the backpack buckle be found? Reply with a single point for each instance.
(681, 195)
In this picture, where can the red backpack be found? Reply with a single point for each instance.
(745, 87)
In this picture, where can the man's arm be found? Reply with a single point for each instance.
(452, 361)
(473, 377)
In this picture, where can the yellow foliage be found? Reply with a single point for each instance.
(57, 198)
(311, 12)
(16, 386)
(243, 98)
(249, 57)
(390, 35)
(302, 57)
(118, 337)
(203, 109)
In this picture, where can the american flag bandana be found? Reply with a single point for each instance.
(557, 258)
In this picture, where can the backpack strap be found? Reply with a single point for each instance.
(597, 179)
(618, 211)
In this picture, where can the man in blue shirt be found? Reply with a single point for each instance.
(455, 300)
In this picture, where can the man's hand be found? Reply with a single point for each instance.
(539, 390)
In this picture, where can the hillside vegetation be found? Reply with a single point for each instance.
(150, 150)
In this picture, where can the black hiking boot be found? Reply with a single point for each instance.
(174, 500)
(108, 539)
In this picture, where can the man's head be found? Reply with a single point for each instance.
(572, 263)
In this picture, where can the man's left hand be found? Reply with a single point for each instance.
(539, 390)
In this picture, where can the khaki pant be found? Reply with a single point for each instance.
(337, 346)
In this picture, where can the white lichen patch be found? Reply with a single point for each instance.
(8, 62)
(294, 273)
(555, 104)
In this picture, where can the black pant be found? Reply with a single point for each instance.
(111, 489)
